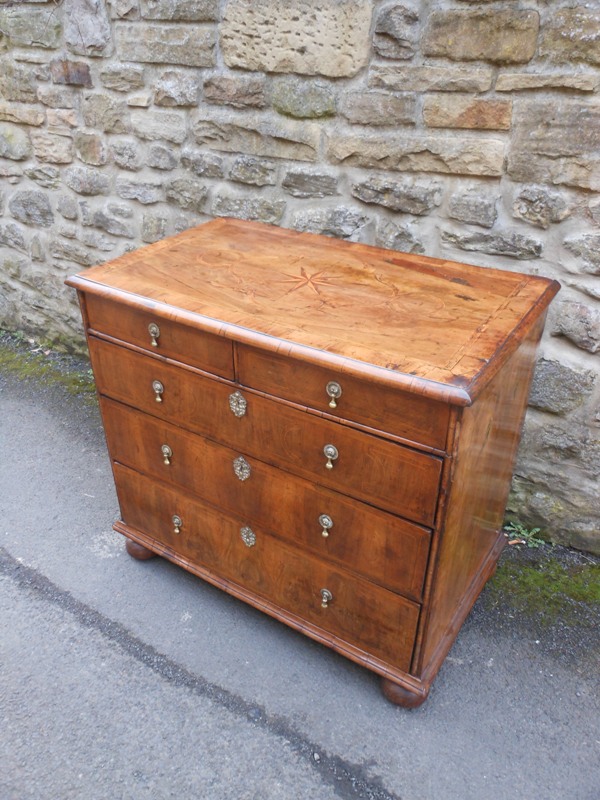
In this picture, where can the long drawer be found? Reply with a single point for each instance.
(386, 549)
(381, 472)
(365, 615)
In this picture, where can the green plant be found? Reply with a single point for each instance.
(519, 534)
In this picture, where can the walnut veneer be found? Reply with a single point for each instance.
(325, 430)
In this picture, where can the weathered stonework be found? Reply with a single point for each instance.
(465, 129)
(159, 44)
(274, 36)
(419, 154)
(500, 36)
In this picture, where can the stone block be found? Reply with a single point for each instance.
(105, 113)
(52, 148)
(31, 207)
(187, 45)
(572, 34)
(398, 237)
(37, 249)
(540, 207)
(126, 154)
(378, 108)
(161, 157)
(253, 208)
(556, 143)
(501, 36)
(122, 77)
(154, 228)
(254, 171)
(73, 251)
(238, 91)
(86, 181)
(176, 88)
(558, 388)
(302, 99)
(58, 97)
(396, 32)
(47, 177)
(141, 99)
(181, 10)
(281, 139)
(404, 78)
(61, 120)
(474, 208)
(405, 197)
(15, 143)
(500, 243)
(580, 324)
(32, 27)
(21, 114)
(90, 148)
(67, 207)
(109, 219)
(303, 183)
(420, 153)
(144, 192)
(277, 36)
(18, 83)
(11, 235)
(167, 125)
(207, 165)
(587, 247)
(188, 194)
(124, 9)
(87, 28)
(525, 81)
(71, 73)
(456, 111)
(341, 222)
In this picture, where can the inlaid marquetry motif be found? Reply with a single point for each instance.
(241, 468)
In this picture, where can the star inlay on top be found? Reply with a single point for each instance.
(305, 280)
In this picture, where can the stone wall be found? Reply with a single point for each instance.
(466, 129)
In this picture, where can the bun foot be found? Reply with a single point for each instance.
(138, 551)
(400, 696)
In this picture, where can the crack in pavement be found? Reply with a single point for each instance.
(348, 780)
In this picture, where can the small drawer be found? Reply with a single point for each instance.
(157, 333)
(384, 473)
(408, 416)
(386, 549)
(345, 605)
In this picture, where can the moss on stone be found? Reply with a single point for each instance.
(26, 359)
(550, 589)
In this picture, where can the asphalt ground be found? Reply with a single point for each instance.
(127, 680)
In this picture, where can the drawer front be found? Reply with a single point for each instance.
(360, 613)
(171, 339)
(386, 549)
(410, 417)
(381, 472)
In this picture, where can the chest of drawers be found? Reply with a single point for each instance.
(325, 430)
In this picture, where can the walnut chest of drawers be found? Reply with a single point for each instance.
(325, 430)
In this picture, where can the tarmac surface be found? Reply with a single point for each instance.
(123, 680)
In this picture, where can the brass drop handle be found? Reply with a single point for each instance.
(167, 454)
(326, 524)
(154, 332)
(158, 390)
(177, 523)
(334, 391)
(331, 454)
(326, 598)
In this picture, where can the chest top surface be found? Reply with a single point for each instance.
(434, 326)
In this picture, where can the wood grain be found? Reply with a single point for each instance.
(361, 613)
(437, 327)
(381, 472)
(384, 548)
